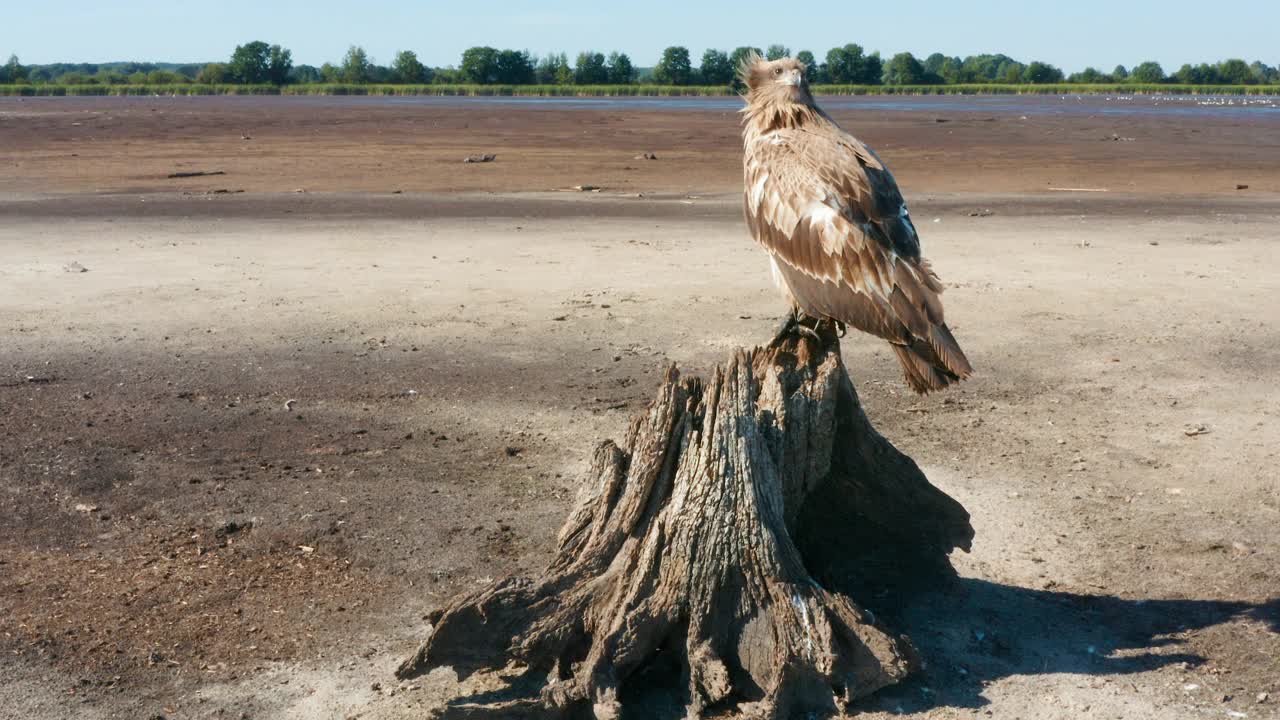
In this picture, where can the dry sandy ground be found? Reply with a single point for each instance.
(264, 433)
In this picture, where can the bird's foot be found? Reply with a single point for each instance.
(793, 323)
(806, 331)
(785, 327)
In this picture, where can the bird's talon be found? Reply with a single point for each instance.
(789, 323)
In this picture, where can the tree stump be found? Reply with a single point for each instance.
(702, 560)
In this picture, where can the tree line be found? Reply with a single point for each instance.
(260, 63)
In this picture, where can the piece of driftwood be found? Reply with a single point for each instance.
(709, 564)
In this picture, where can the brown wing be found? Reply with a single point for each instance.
(831, 215)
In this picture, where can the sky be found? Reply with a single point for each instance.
(1071, 34)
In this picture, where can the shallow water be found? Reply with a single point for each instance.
(995, 104)
(1239, 107)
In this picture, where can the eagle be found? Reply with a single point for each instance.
(839, 237)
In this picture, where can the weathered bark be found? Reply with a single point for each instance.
(688, 565)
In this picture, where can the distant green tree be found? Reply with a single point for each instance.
(674, 68)
(777, 52)
(1009, 71)
(543, 71)
(14, 71)
(810, 66)
(330, 73)
(356, 66)
(951, 70)
(844, 63)
(279, 63)
(1148, 72)
(1202, 74)
(1119, 74)
(850, 65)
(304, 74)
(1012, 73)
(716, 68)
(480, 65)
(932, 66)
(73, 78)
(1235, 72)
(1088, 75)
(873, 69)
(553, 69)
(1041, 73)
(514, 67)
(446, 76)
(165, 77)
(905, 69)
(250, 63)
(1264, 73)
(564, 73)
(590, 69)
(933, 63)
(990, 68)
(18, 73)
(115, 77)
(620, 70)
(406, 68)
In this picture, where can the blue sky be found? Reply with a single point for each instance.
(1069, 34)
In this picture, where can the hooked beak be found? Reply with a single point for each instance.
(792, 78)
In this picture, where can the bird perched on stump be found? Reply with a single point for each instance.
(841, 242)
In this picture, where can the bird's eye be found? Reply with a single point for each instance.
(777, 71)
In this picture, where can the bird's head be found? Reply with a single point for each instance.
(774, 82)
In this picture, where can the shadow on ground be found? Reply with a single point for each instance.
(977, 632)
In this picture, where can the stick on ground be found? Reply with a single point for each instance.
(196, 173)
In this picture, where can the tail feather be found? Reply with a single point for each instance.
(948, 350)
(934, 364)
